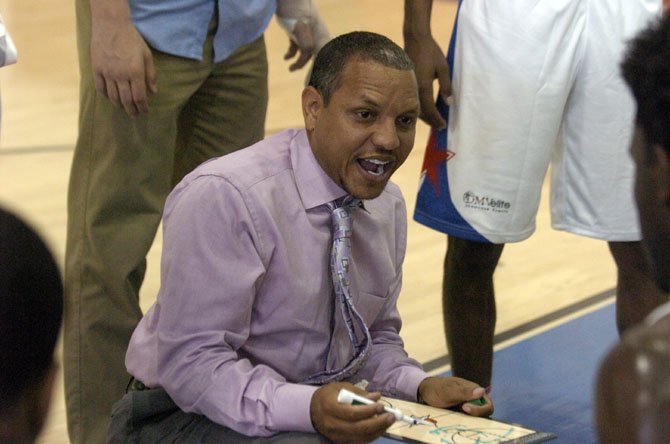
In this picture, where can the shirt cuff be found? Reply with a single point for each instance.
(410, 381)
(291, 408)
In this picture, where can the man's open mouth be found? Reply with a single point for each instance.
(374, 166)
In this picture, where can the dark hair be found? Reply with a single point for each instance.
(332, 58)
(31, 308)
(646, 69)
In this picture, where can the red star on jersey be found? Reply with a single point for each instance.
(432, 159)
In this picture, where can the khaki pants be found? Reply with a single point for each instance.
(122, 171)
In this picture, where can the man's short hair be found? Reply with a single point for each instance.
(31, 308)
(332, 58)
(646, 69)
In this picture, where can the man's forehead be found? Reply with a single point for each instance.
(361, 69)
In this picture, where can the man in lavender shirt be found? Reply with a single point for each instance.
(246, 309)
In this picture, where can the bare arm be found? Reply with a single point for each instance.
(428, 59)
(123, 68)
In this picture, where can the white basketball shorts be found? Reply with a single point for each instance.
(536, 82)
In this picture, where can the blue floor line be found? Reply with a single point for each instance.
(546, 382)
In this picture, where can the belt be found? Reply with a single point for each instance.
(135, 385)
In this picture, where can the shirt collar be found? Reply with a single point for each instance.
(314, 185)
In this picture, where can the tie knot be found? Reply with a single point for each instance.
(347, 202)
(341, 215)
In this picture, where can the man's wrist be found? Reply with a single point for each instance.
(420, 398)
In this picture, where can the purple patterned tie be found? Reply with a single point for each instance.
(339, 268)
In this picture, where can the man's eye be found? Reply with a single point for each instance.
(406, 121)
(364, 115)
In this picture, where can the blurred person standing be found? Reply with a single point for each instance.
(164, 86)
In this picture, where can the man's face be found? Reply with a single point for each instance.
(367, 130)
(651, 195)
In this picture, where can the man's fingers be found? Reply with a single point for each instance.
(138, 90)
(443, 78)
(474, 409)
(372, 428)
(363, 430)
(479, 392)
(302, 60)
(112, 92)
(303, 42)
(292, 50)
(429, 112)
(150, 73)
(434, 119)
(354, 413)
(129, 95)
(445, 85)
(460, 389)
(126, 98)
(100, 85)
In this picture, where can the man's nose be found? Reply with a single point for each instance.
(386, 135)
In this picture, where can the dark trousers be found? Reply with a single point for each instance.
(150, 416)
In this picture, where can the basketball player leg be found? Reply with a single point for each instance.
(610, 109)
(637, 294)
(468, 303)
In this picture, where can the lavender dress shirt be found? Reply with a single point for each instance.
(245, 309)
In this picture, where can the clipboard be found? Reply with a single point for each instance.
(458, 428)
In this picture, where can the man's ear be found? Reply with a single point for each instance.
(662, 172)
(312, 103)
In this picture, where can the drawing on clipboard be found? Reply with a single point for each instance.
(458, 428)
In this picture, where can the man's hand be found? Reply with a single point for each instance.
(302, 44)
(448, 392)
(308, 33)
(430, 64)
(428, 58)
(344, 423)
(123, 67)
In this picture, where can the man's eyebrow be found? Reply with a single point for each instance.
(367, 100)
(415, 110)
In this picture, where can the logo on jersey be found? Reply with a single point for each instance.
(485, 203)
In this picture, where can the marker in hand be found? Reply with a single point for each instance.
(479, 401)
(347, 397)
